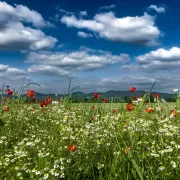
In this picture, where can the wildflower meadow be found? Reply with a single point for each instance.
(57, 139)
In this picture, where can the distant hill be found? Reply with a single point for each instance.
(116, 94)
(108, 94)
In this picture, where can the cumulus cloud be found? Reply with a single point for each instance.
(21, 13)
(160, 59)
(12, 76)
(134, 30)
(49, 70)
(15, 36)
(82, 60)
(83, 13)
(157, 9)
(84, 35)
(108, 7)
(3, 67)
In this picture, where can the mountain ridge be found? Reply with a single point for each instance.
(109, 94)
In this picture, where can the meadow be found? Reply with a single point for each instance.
(134, 140)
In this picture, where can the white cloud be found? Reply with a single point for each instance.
(20, 13)
(157, 9)
(84, 35)
(49, 70)
(135, 30)
(15, 36)
(160, 59)
(108, 7)
(72, 21)
(12, 76)
(15, 72)
(162, 55)
(86, 59)
(83, 13)
(3, 67)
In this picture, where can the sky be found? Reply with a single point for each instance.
(101, 45)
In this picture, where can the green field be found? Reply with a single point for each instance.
(78, 141)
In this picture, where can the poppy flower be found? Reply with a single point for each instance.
(129, 107)
(156, 95)
(134, 97)
(6, 108)
(31, 93)
(173, 113)
(43, 104)
(48, 100)
(132, 89)
(92, 118)
(114, 110)
(9, 92)
(96, 95)
(105, 100)
(72, 148)
(149, 109)
(93, 107)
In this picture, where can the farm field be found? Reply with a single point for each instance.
(90, 141)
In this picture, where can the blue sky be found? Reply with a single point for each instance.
(103, 45)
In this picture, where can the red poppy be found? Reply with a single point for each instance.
(9, 92)
(134, 97)
(129, 107)
(43, 104)
(96, 95)
(105, 100)
(173, 113)
(149, 109)
(48, 100)
(72, 148)
(132, 89)
(156, 95)
(92, 107)
(92, 118)
(31, 93)
(114, 110)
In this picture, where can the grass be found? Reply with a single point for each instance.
(109, 142)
